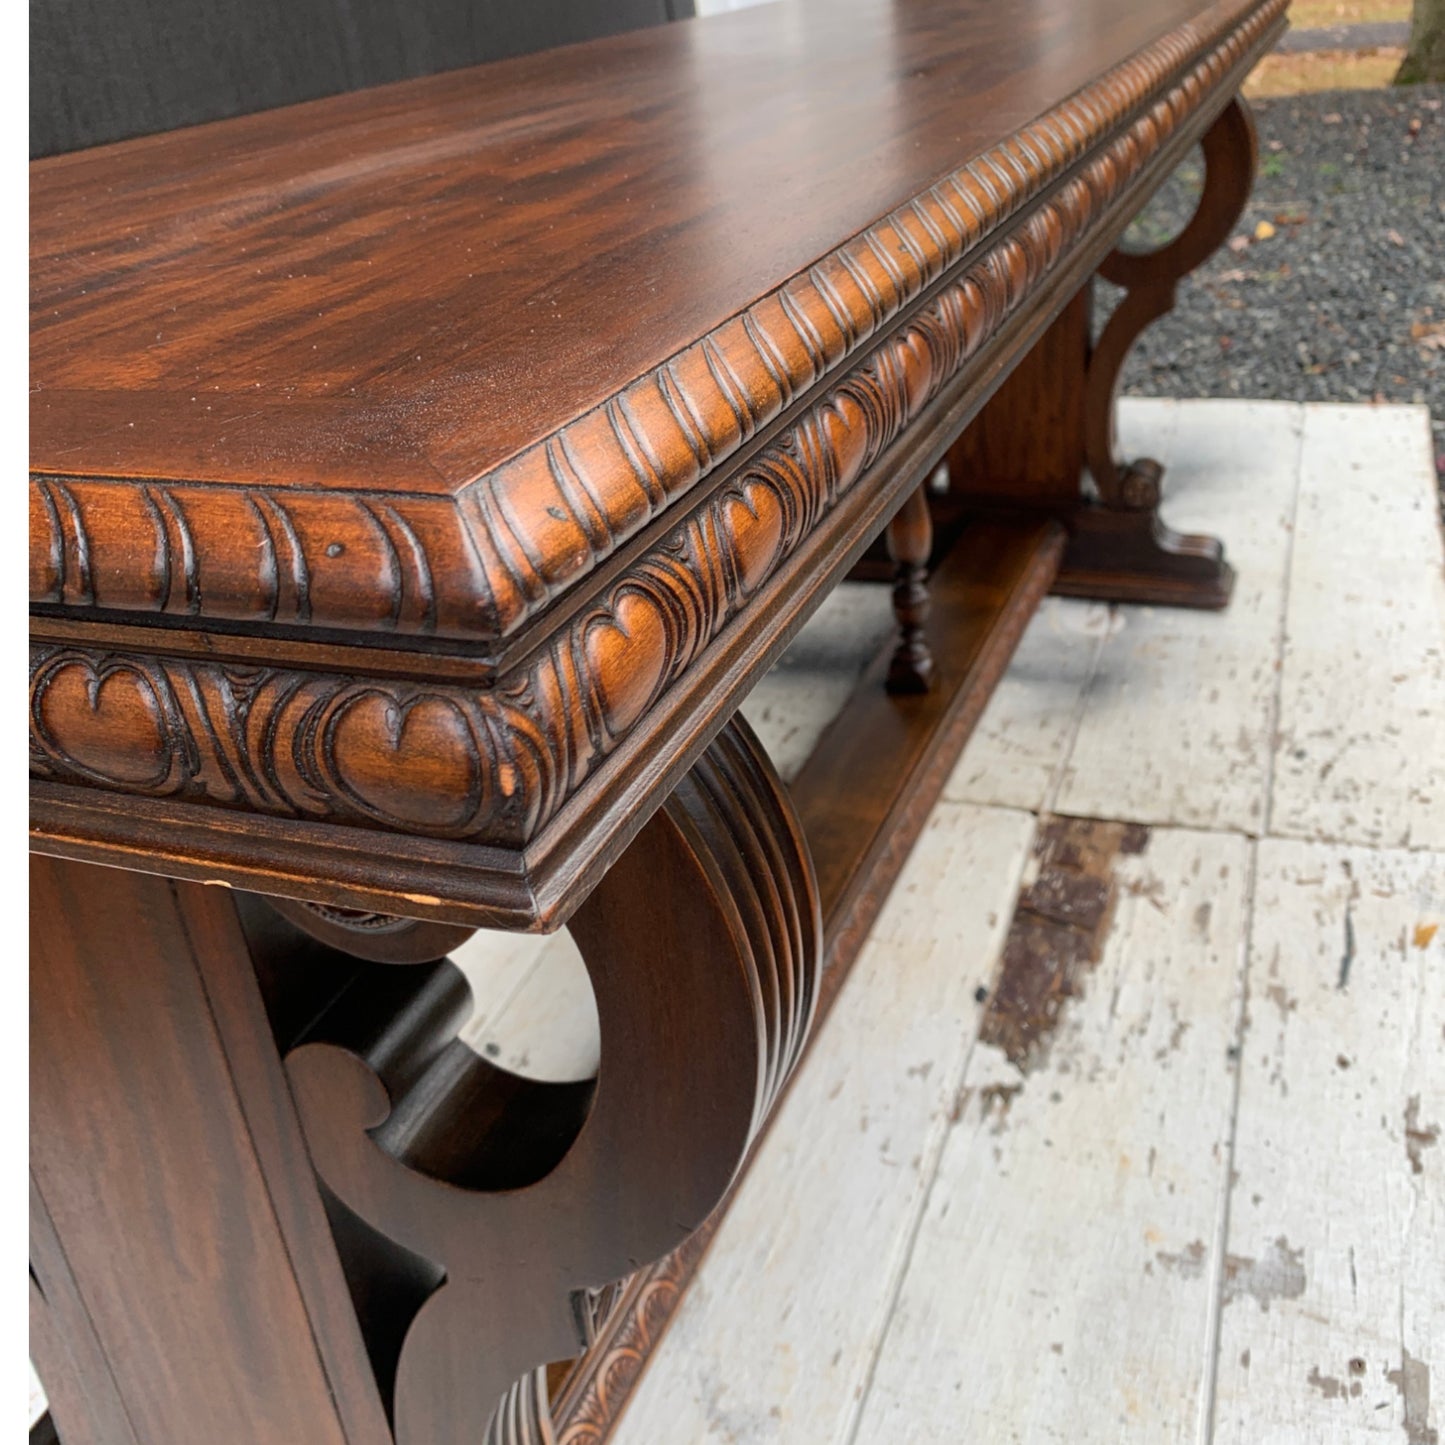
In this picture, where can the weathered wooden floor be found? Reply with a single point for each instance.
(1179, 1175)
(1126, 1126)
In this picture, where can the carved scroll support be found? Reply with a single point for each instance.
(910, 543)
(1120, 548)
(488, 1213)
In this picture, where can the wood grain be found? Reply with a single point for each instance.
(518, 764)
(162, 1202)
(246, 409)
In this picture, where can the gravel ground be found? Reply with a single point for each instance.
(1346, 37)
(1345, 301)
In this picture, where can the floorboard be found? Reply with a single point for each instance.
(1078, 1267)
(1060, 1286)
(1180, 713)
(776, 1336)
(1334, 1285)
(1362, 710)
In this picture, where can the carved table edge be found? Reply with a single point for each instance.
(457, 567)
(301, 748)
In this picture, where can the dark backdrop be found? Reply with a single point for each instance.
(101, 70)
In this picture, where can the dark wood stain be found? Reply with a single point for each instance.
(1057, 935)
(415, 281)
(280, 365)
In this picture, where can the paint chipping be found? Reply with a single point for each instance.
(1329, 1386)
(1347, 958)
(1280, 1274)
(1418, 1137)
(1282, 999)
(997, 1100)
(1057, 934)
(1188, 1263)
(1412, 1380)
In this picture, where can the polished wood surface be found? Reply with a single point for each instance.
(403, 286)
(173, 1219)
(420, 481)
(507, 787)
(389, 320)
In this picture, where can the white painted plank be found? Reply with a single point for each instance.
(1179, 722)
(38, 1403)
(795, 702)
(532, 1006)
(1059, 1289)
(1337, 1222)
(495, 964)
(546, 1028)
(774, 1338)
(1016, 752)
(1016, 755)
(1362, 710)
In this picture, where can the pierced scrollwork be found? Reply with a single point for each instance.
(513, 1206)
(1149, 279)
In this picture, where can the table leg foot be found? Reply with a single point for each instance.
(1131, 556)
(1120, 549)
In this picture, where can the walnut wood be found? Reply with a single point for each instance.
(1054, 418)
(168, 1213)
(310, 440)
(420, 480)
(866, 767)
(1026, 447)
(514, 772)
(1120, 548)
(910, 545)
(1149, 279)
(450, 1185)
(498, 1181)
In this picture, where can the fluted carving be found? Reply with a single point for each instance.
(494, 764)
(514, 1203)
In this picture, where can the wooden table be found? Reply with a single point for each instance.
(420, 479)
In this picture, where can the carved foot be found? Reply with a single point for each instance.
(1119, 549)
(1124, 556)
(910, 543)
(482, 1216)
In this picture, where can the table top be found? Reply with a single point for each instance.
(413, 360)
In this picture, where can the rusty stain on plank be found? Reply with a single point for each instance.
(1058, 931)
(1331, 1386)
(1417, 1138)
(1189, 1262)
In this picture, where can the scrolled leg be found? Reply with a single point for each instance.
(486, 1211)
(1120, 549)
